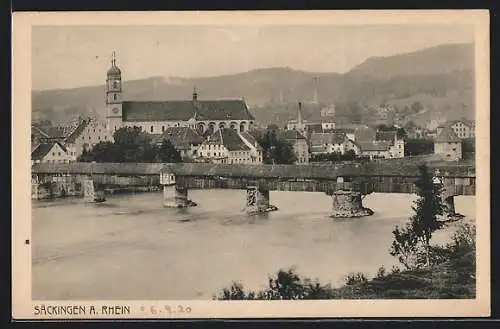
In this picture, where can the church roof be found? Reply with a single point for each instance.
(184, 110)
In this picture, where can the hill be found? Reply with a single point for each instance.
(441, 78)
(441, 59)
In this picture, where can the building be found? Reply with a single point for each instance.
(299, 144)
(448, 144)
(185, 140)
(75, 136)
(462, 128)
(324, 118)
(230, 146)
(326, 143)
(396, 144)
(349, 132)
(50, 153)
(155, 117)
(375, 149)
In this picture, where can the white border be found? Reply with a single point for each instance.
(21, 219)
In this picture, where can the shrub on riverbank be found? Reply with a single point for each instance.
(451, 277)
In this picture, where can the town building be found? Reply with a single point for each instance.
(82, 134)
(54, 152)
(299, 144)
(375, 149)
(462, 128)
(185, 140)
(349, 132)
(323, 119)
(155, 117)
(396, 144)
(326, 143)
(448, 144)
(230, 146)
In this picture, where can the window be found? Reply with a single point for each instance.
(105, 137)
(58, 153)
(151, 128)
(53, 154)
(162, 129)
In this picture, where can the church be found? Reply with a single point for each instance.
(204, 116)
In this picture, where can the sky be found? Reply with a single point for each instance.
(74, 56)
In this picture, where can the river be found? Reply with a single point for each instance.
(132, 248)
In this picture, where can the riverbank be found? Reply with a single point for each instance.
(454, 279)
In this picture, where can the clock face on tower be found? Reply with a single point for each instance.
(115, 110)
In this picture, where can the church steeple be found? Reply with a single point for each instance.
(114, 95)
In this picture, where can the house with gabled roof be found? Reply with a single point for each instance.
(185, 140)
(325, 143)
(375, 149)
(230, 146)
(448, 144)
(54, 152)
(462, 128)
(75, 136)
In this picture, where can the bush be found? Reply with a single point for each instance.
(285, 285)
(354, 278)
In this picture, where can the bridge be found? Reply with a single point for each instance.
(347, 183)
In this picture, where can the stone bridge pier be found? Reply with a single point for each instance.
(91, 192)
(347, 202)
(448, 193)
(174, 194)
(257, 199)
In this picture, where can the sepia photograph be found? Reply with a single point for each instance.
(251, 159)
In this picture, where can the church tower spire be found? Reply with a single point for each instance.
(113, 96)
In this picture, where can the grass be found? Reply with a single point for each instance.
(451, 280)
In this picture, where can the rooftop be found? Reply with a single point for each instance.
(39, 152)
(374, 146)
(447, 135)
(180, 137)
(185, 110)
(229, 138)
(326, 138)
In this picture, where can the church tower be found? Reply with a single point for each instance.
(114, 96)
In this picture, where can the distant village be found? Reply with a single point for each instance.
(225, 131)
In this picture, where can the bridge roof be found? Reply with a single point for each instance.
(316, 171)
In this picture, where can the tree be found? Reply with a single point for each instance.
(168, 153)
(276, 150)
(401, 133)
(416, 107)
(418, 232)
